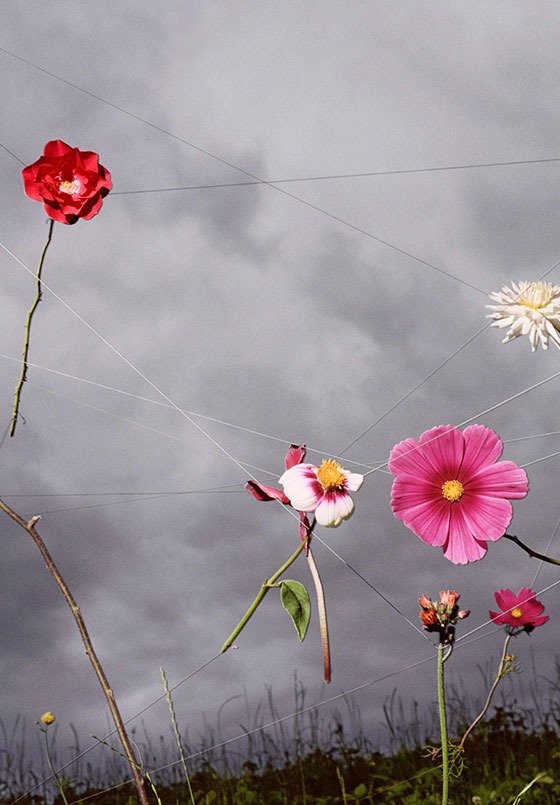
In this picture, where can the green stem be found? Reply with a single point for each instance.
(531, 552)
(441, 658)
(52, 768)
(266, 585)
(32, 309)
(499, 675)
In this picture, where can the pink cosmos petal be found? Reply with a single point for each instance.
(302, 487)
(482, 447)
(443, 447)
(334, 507)
(489, 517)
(505, 599)
(407, 459)
(462, 546)
(429, 521)
(502, 480)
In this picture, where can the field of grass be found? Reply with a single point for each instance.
(512, 757)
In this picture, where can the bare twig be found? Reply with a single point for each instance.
(29, 526)
(531, 552)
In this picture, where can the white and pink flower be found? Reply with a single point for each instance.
(322, 490)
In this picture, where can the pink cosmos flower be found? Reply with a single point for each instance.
(521, 611)
(450, 492)
(322, 490)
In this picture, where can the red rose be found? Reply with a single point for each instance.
(70, 183)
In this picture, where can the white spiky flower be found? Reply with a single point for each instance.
(528, 308)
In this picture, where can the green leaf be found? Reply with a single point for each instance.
(295, 601)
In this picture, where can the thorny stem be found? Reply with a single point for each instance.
(97, 667)
(23, 375)
(265, 587)
(531, 552)
(443, 654)
(501, 673)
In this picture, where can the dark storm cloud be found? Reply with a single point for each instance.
(252, 308)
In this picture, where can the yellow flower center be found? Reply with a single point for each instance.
(71, 188)
(537, 295)
(331, 475)
(452, 490)
(516, 613)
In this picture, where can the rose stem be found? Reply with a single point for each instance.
(32, 309)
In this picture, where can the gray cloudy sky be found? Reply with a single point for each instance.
(283, 316)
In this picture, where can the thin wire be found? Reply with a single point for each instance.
(433, 372)
(257, 179)
(142, 499)
(412, 390)
(336, 176)
(371, 586)
(533, 436)
(11, 153)
(149, 428)
(225, 423)
(128, 720)
(486, 411)
(540, 564)
(132, 366)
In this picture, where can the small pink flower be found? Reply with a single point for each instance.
(322, 490)
(521, 612)
(451, 491)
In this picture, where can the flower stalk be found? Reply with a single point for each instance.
(444, 652)
(265, 587)
(94, 660)
(46, 720)
(533, 554)
(32, 309)
(505, 666)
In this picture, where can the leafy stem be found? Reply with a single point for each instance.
(32, 309)
(265, 587)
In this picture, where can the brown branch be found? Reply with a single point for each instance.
(531, 552)
(97, 667)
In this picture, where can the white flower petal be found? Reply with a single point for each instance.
(302, 487)
(333, 508)
(354, 480)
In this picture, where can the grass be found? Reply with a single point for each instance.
(314, 761)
